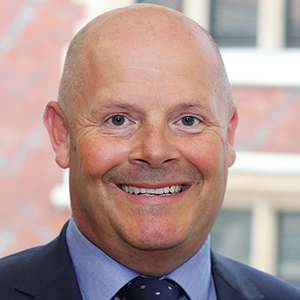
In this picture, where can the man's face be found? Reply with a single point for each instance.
(149, 157)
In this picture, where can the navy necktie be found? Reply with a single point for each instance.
(142, 288)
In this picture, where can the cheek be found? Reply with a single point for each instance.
(99, 155)
(210, 158)
(93, 159)
(208, 155)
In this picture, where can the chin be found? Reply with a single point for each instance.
(160, 239)
(156, 245)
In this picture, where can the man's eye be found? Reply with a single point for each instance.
(118, 120)
(188, 121)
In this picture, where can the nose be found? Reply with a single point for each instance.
(154, 146)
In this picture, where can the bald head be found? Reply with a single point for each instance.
(137, 33)
(146, 97)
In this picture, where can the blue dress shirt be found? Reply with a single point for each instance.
(100, 277)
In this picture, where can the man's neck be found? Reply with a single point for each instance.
(153, 262)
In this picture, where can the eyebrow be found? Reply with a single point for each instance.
(126, 106)
(116, 104)
(190, 105)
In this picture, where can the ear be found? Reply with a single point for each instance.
(56, 125)
(230, 135)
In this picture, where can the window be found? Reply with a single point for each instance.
(231, 234)
(289, 247)
(234, 22)
(293, 23)
(175, 4)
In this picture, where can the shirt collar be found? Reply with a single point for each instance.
(194, 276)
(100, 277)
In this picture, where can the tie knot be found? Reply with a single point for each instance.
(142, 288)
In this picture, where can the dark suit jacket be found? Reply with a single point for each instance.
(47, 273)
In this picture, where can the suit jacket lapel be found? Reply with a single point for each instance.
(50, 273)
(229, 281)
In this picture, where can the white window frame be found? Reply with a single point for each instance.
(264, 183)
(270, 63)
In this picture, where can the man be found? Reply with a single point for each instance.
(145, 122)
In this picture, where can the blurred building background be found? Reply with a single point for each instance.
(260, 45)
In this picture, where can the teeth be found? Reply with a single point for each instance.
(168, 190)
(159, 191)
(136, 190)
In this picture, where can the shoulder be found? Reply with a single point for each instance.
(26, 273)
(18, 260)
(250, 280)
(17, 263)
(12, 268)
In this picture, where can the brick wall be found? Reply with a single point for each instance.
(32, 37)
(268, 119)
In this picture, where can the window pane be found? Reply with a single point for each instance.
(175, 4)
(289, 247)
(234, 22)
(231, 235)
(293, 23)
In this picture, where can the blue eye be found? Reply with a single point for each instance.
(118, 120)
(188, 121)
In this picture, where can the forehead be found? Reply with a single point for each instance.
(158, 50)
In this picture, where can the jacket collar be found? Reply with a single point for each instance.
(229, 281)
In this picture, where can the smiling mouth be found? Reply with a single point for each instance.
(164, 191)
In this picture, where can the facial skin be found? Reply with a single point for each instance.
(149, 114)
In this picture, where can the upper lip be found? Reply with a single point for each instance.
(153, 186)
